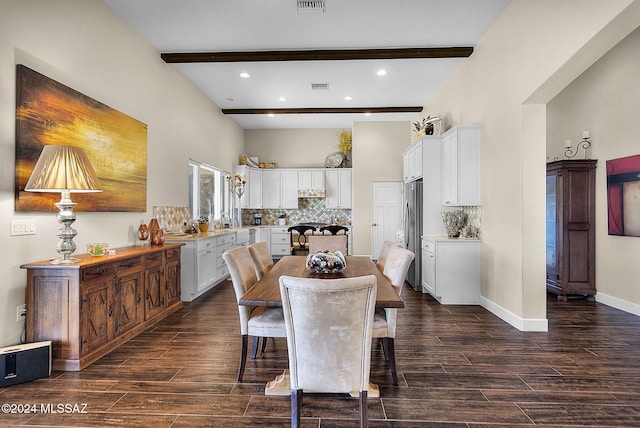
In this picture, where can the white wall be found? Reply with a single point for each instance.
(85, 46)
(605, 100)
(532, 51)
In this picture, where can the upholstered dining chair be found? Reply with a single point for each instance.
(262, 259)
(299, 238)
(328, 242)
(255, 321)
(335, 229)
(384, 320)
(329, 325)
(384, 253)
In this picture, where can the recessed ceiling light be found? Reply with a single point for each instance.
(348, 98)
(381, 72)
(282, 99)
(367, 114)
(271, 115)
(245, 75)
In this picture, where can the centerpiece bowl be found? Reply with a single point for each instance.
(326, 261)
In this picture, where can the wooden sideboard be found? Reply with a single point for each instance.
(88, 308)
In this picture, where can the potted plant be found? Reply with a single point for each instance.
(203, 223)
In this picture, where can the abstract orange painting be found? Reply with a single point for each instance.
(48, 112)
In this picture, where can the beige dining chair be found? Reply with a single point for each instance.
(329, 324)
(384, 253)
(254, 321)
(384, 321)
(262, 259)
(328, 242)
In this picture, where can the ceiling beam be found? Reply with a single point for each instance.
(317, 55)
(322, 110)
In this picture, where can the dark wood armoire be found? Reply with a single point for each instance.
(571, 228)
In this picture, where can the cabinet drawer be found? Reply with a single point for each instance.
(429, 246)
(153, 259)
(279, 238)
(282, 230)
(133, 264)
(99, 272)
(173, 254)
(280, 249)
(222, 271)
(226, 239)
(225, 247)
(205, 244)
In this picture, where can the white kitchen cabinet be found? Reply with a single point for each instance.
(461, 166)
(311, 179)
(280, 242)
(338, 188)
(413, 162)
(201, 264)
(451, 270)
(279, 189)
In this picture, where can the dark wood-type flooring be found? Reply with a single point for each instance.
(459, 366)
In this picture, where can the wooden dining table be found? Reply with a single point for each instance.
(266, 292)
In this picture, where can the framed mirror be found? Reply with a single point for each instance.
(208, 193)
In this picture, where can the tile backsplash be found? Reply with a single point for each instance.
(171, 219)
(309, 210)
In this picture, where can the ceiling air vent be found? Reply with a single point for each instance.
(309, 6)
(317, 86)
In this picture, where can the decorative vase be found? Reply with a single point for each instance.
(158, 237)
(143, 232)
(153, 227)
(453, 222)
(204, 227)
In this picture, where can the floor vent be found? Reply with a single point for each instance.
(309, 6)
(317, 86)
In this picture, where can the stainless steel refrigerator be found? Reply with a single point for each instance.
(413, 230)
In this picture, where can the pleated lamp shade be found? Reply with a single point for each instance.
(63, 168)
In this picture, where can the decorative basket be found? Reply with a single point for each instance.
(326, 262)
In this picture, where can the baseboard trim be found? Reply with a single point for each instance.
(520, 323)
(617, 303)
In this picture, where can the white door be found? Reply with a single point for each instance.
(386, 213)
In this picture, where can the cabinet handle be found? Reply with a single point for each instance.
(110, 310)
(138, 298)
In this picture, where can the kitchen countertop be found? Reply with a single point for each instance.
(202, 235)
(445, 238)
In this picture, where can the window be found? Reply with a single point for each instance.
(208, 193)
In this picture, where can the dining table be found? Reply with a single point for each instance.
(266, 292)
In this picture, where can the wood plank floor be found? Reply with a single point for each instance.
(459, 366)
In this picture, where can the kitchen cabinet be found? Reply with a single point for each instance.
(280, 242)
(202, 264)
(279, 188)
(451, 270)
(570, 225)
(88, 308)
(252, 197)
(311, 179)
(413, 161)
(461, 166)
(338, 188)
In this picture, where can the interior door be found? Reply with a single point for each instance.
(386, 213)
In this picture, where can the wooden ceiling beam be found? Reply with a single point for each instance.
(322, 110)
(317, 55)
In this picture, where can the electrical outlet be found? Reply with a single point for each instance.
(21, 312)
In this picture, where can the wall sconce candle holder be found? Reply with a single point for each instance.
(584, 143)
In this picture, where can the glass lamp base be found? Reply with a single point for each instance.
(60, 261)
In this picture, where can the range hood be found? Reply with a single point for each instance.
(311, 193)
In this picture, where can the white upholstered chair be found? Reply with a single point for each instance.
(384, 321)
(328, 242)
(384, 253)
(255, 321)
(262, 259)
(329, 326)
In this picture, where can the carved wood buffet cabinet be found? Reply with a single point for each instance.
(87, 309)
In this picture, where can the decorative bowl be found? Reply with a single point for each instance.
(98, 249)
(326, 262)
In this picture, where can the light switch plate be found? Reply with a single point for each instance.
(23, 227)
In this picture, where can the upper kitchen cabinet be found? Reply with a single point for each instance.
(412, 161)
(279, 188)
(461, 166)
(311, 180)
(338, 188)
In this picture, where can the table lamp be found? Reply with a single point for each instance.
(64, 169)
